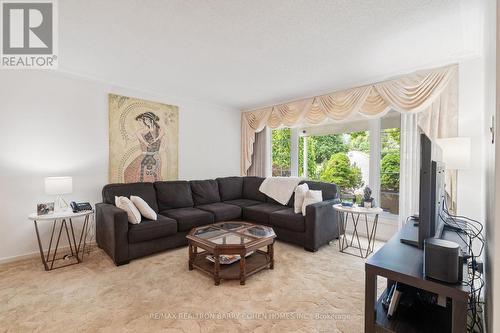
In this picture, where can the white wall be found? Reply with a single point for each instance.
(478, 28)
(470, 185)
(492, 180)
(476, 186)
(57, 124)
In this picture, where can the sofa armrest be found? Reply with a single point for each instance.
(321, 224)
(112, 232)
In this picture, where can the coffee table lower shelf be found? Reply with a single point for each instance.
(254, 263)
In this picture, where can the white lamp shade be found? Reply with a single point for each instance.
(58, 185)
(456, 152)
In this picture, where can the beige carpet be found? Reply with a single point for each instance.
(306, 292)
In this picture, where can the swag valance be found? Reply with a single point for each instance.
(431, 93)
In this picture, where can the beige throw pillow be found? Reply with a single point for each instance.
(300, 192)
(144, 208)
(134, 216)
(311, 197)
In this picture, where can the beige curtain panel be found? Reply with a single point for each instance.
(258, 167)
(431, 93)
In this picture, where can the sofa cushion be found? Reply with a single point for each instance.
(144, 190)
(148, 230)
(222, 211)
(311, 198)
(143, 208)
(288, 219)
(300, 193)
(205, 191)
(188, 218)
(133, 214)
(260, 213)
(251, 189)
(173, 194)
(243, 202)
(329, 190)
(230, 188)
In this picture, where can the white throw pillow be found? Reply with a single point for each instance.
(144, 208)
(134, 216)
(311, 197)
(300, 192)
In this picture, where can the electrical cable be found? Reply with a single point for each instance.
(469, 232)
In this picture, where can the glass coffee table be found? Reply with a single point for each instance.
(231, 250)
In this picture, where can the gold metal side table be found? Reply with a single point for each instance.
(61, 221)
(344, 212)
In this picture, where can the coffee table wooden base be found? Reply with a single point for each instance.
(231, 238)
(239, 270)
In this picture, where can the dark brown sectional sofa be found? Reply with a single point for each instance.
(182, 205)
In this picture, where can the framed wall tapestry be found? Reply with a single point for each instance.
(143, 140)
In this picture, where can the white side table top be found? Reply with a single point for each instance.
(67, 214)
(357, 210)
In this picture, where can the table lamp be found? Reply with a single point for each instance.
(456, 152)
(456, 156)
(59, 186)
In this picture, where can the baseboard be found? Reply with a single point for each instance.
(20, 257)
(35, 254)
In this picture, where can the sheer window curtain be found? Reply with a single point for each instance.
(409, 167)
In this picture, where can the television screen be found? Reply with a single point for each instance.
(431, 194)
(431, 189)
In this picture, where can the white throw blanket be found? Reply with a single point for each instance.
(279, 188)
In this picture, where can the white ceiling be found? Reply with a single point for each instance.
(245, 54)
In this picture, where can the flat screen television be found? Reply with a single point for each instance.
(431, 194)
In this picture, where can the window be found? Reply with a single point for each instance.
(359, 157)
(281, 156)
(389, 167)
(352, 155)
(341, 158)
(319, 151)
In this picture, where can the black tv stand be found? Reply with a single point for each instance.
(400, 262)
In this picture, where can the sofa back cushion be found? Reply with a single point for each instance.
(144, 190)
(329, 190)
(174, 194)
(205, 191)
(230, 188)
(251, 188)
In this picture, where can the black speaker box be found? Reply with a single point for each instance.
(442, 260)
